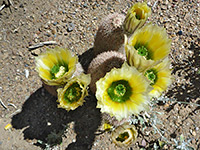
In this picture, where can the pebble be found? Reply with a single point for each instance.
(85, 5)
(36, 52)
(55, 23)
(144, 143)
(194, 133)
(193, 141)
(70, 27)
(85, 8)
(163, 7)
(36, 40)
(26, 73)
(180, 32)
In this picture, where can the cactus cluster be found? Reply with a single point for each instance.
(129, 68)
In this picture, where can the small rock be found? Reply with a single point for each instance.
(55, 23)
(20, 53)
(194, 133)
(163, 7)
(53, 31)
(85, 5)
(70, 27)
(35, 40)
(165, 147)
(21, 6)
(36, 52)
(46, 26)
(144, 143)
(176, 40)
(193, 141)
(26, 73)
(180, 32)
(47, 34)
(166, 105)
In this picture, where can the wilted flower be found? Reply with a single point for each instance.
(160, 77)
(74, 92)
(55, 66)
(136, 17)
(124, 135)
(122, 92)
(147, 46)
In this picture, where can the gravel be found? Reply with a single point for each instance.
(73, 24)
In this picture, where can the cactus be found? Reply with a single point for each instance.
(102, 64)
(110, 34)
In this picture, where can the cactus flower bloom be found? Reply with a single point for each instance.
(72, 95)
(124, 135)
(136, 17)
(122, 92)
(147, 46)
(160, 77)
(55, 66)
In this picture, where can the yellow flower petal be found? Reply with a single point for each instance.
(150, 39)
(52, 57)
(133, 101)
(136, 16)
(83, 81)
(60, 58)
(8, 126)
(164, 78)
(47, 62)
(44, 73)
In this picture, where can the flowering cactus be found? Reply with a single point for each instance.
(136, 17)
(102, 64)
(55, 66)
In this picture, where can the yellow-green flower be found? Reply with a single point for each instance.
(74, 92)
(147, 46)
(55, 66)
(159, 77)
(122, 92)
(124, 135)
(136, 17)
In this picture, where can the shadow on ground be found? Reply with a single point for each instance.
(43, 119)
(190, 89)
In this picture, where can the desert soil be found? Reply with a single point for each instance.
(32, 111)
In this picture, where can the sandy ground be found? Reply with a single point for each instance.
(73, 24)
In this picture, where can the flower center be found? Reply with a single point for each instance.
(138, 14)
(58, 71)
(119, 91)
(151, 75)
(73, 93)
(143, 51)
(122, 137)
